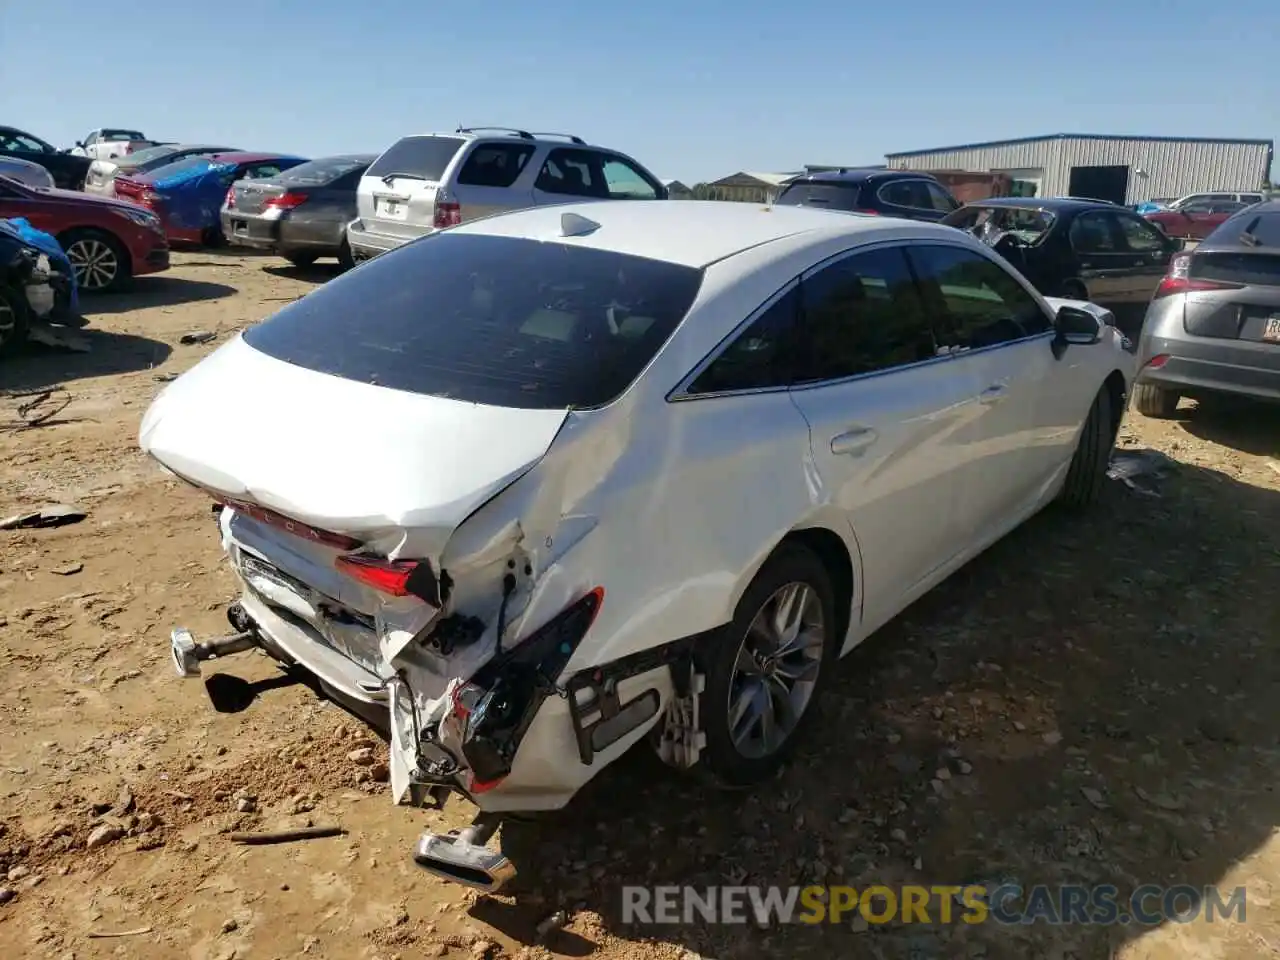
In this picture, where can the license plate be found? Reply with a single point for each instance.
(393, 209)
(1271, 331)
(239, 226)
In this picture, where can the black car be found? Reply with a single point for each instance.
(67, 169)
(1080, 249)
(890, 193)
(302, 214)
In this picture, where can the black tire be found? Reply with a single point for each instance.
(300, 259)
(14, 319)
(721, 761)
(345, 260)
(213, 238)
(100, 261)
(1155, 402)
(1088, 470)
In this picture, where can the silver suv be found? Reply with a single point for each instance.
(431, 181)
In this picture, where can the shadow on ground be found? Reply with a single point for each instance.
(321, 272)
(1100, 690)
(155, 291)
(1239, 424)
(35, 366)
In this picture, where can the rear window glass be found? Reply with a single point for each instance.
(1263, 227)
(117, 136)
(316, 172)
(503, 321)
(423, 158)
(832, 196)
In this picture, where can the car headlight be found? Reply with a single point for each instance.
(143, 218)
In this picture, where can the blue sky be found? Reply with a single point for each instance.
(693, 90)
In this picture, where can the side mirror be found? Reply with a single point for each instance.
(1072, 325)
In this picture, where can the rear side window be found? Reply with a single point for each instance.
(317, 172)
(504, 321)
(574, 173)
(419, 158)
(830, 196)
(495, 164)
(862, 314)
(913, 194)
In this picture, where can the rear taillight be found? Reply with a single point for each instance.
(230, 200)
(1178, 279)
(870, 213)
(1158, 361)
(286, 201)
(448, 214)
(386, 576)
(149, 198)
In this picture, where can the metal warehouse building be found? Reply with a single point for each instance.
(1120, 169)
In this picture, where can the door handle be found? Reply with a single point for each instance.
(853, 442)
(993, 394)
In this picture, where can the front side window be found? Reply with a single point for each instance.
(572, 173)
(980, 303)
(625, 182)
(862, 314)
(761, 356)
(1140, 236)
(940, 199)
(503, 321)
(495, 164)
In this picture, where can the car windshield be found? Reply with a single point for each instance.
(504, 321)
(317, 172)
(421, 158)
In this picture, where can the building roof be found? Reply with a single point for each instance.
(692, 234)
(764, 179)
(1079, 136)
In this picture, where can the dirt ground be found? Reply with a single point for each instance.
(1093, 701)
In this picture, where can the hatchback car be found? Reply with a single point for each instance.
(302, 214)
(428, 182)
(1213, 326)
(107, 241)
(1083, 249)
(892, 193)
(640, 469)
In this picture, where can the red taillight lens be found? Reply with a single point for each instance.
(1158, 361)
(149, 198)
(448, 214)
(230, 200)
(286, 201)
(1179, 280)
(386, 576)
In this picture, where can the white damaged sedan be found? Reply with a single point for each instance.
(544, 484)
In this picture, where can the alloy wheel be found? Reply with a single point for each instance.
(94, 263)
(776, 670)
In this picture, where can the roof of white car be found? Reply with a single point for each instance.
(690, 232)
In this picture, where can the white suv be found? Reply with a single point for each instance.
(428, 182)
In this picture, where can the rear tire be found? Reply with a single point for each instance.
(100, 261)
(13, 320)
(1155, 402)
(301, 260)
(345, 260)
(739, 755)
(1088, 468)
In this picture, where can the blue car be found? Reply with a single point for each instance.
(188, 195)
(30, 289)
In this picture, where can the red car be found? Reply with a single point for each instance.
(107, 241)
(187, 195)
(1197, 220)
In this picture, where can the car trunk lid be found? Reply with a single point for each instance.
(398, 194)
(1234, 295)
(252, 197)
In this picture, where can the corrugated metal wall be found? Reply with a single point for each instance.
(1173, 167)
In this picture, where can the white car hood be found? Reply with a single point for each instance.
(344, 456)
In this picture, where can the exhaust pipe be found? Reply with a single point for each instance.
(188, 654)
(464, 858)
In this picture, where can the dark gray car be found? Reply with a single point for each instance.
(302, 214)
(1214, 323)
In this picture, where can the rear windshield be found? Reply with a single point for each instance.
(504, 321)
(1249, 229)
(832, 196)
(116, 136)
(317, 172)
(423, 158)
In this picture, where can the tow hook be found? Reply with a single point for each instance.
(464, 858)
(188, 654)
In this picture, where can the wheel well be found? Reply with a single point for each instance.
(830, 549)
(1115, 386)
